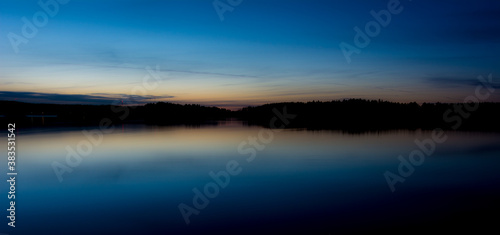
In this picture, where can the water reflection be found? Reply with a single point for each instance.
(314, 182)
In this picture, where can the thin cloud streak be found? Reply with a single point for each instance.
(94, 99)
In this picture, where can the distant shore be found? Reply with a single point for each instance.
(350, 115)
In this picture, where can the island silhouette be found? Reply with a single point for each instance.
(353, 115)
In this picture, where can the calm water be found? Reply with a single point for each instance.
(308, 182)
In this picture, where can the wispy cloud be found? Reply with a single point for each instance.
(450, 82)
(95, 98)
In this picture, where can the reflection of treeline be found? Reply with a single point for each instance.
(351, 115)
(168, 113)
(158, 113)
(365, 115)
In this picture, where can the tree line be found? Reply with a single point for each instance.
(349, 114)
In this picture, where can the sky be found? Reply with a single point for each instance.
(235, 53)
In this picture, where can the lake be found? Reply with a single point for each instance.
(249, 180)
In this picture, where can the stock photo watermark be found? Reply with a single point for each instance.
(39, 19)
(223, 6)
(221, 179)
(94, 138)
(11, 173)
(426, 147)
(372, 29)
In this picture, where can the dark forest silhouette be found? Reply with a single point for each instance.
(350, 114)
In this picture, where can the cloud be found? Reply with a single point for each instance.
(475, 25)
(95, 98)
(450, 82)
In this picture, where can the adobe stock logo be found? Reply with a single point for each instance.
(455, 115)
(222, 7)
(372, 29)
(39, 20)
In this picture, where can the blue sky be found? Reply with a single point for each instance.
(263, 51)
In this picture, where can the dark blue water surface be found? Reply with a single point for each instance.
(301, 182)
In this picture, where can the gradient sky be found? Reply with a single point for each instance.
(263, 51)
